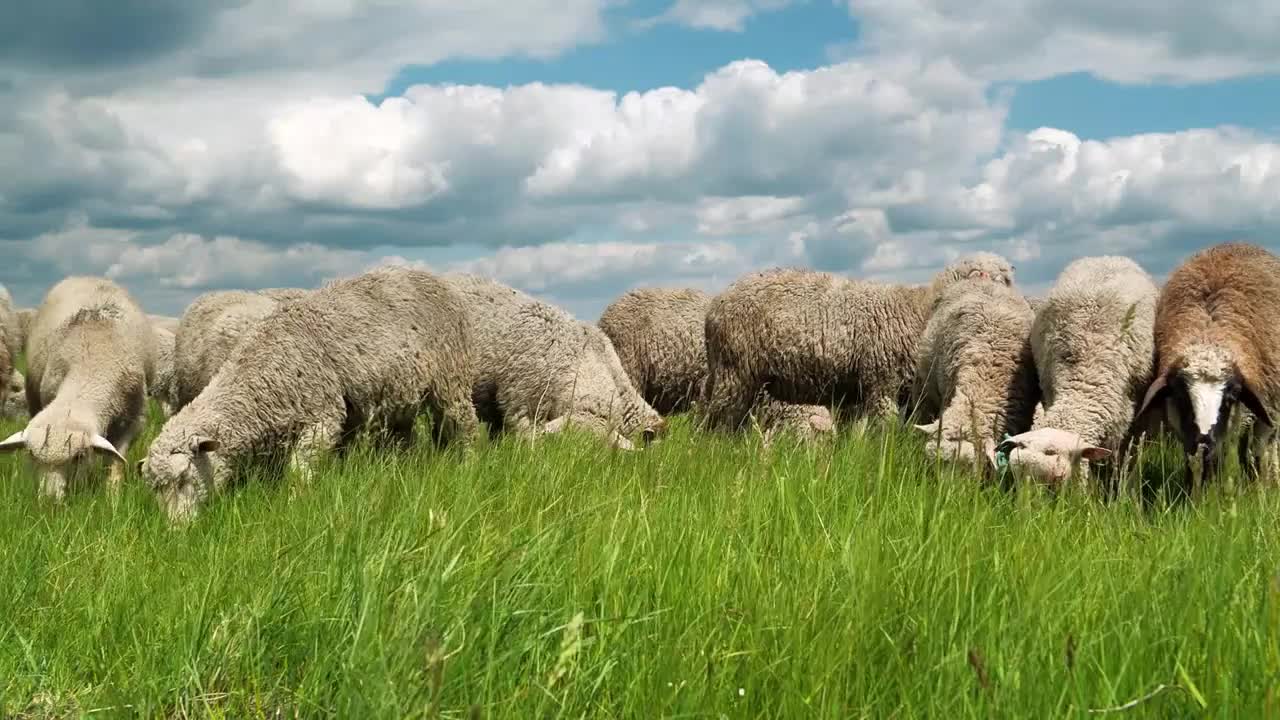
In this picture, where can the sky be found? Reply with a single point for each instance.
(579, 148)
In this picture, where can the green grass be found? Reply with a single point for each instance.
(704, 577)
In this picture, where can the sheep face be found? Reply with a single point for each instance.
(59, 450)
(1049, 455)
(1202, 388)
(606, 399)
(180, 472)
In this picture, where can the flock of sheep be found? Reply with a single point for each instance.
(1036, 387)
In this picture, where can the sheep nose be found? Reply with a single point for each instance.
(1203, 440)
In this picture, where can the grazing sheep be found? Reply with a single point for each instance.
(370, 351)
(162, 389)
(974, 372)
(11, 340)
(816, 338)
(15, 399)
(209, 331)
(660, 339)
(90, 358)
(540, 368)
(1094, 343)
(1216, 348)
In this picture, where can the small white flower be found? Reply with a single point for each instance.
(742, 692)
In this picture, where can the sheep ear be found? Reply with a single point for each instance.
(201, 445)
(101, 444)
(1252, 401)
(141, 463)
(15, 441)
(1094, 453)
(929, 428)
(1156, 389)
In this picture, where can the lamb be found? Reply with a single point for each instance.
(814, 337)
(659, 336)
(541, 369)
(370, 351)
(1216, 348)
(1094, 347)
(974, 372)
(209, 331)
(11, 341)
(90, 359)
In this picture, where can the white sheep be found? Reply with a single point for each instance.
(974, 373)
(90, 357)
(162, 389)
(209, 330)
(659, 335)
(1094, 347)
(371, 351)
(819, 338)
(540, 369)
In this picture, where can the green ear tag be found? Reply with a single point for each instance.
(1002, 457)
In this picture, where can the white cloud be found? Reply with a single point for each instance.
(1139, 41)
(723, 15)
(235, 150)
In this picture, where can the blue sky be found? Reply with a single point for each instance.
(271, 143)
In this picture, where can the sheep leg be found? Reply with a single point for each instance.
(53, 485)
(730, 402)
(312, 442)
(1257, 453)
(115, 473)
(456, 420)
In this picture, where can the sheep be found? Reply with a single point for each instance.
(1216, 348)
(369, 351)
(15, 399)
(1094, 345)
(974, 370)
(541, 369)
(814, 337)
(11, 340)
(659, 336)
(209, 330)
(90, 359)
(162, 389)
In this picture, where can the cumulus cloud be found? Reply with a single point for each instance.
(333, 45)
(723, 15)
(1140, 41)
(234, 149)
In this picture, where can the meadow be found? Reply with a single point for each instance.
(704, 577)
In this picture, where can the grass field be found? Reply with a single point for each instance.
(704, 577)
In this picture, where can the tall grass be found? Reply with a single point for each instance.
(703, 577)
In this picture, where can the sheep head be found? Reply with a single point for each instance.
(1202, 386)
(179, 470)
(1049, 455)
